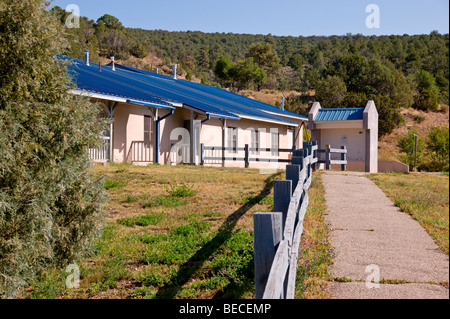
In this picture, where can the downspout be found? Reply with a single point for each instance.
(157, 135)
(208, 117)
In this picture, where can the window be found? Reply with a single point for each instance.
(255, 141)
(232, 138)
(275, 142)
(147, 129)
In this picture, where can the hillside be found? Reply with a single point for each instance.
(417, 120)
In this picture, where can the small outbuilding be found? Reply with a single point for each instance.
(354, 128)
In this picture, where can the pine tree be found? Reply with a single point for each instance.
(50, 204)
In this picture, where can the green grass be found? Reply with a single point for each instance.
(111, 184)
(424, 197)
(144, 220)
(185, 232)
(315, 253)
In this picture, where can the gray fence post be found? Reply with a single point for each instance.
(268, 232)
(343, 158)
(247, 156)
(202, 155)
(282, 194)
(315, 155)
(293, 174)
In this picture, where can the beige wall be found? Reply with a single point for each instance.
(352, 138)
(128, 127)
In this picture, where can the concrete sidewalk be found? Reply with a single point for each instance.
(368, 230)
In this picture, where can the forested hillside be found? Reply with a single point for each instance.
(338, 71)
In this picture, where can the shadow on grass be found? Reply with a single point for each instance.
(188, 269)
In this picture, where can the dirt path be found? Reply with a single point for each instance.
(377, 243)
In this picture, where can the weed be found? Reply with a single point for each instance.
(145, 220)
(113, 184)
(163, 201)
(182, 190)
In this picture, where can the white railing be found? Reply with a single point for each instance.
(101, 154)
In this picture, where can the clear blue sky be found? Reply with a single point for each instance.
(278, 17)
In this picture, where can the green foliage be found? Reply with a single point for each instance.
(406, 146)
(264, 56)
(432, 152)
(437, 145)
(111, 184)
(50, 205)
(331, 91)
(165, 201)
(178, 246)
(426, 101)
(182, 190)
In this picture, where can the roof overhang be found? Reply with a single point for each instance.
(212, 114)
(287, 123)
(301, 118)
(114, 98)
(356, 124)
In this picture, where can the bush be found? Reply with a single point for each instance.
(432, 153)
(50, 205)
(426, 101)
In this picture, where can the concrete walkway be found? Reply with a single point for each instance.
(374, 239)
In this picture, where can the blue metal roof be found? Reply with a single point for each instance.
(229, 96)
(341, 114)
(88, 79)
(147, 88)
(222, 99)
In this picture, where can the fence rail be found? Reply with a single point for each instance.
(328, 161)
(101, 154)
(140, 152)
(278, 234)
(222, 156)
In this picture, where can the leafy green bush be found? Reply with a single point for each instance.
(50, 204)
(432, 152)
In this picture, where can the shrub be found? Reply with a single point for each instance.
(426, 101)
(50, 204)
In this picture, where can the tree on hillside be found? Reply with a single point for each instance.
(50, 205)
(331, 91)
(80, 39)
(264, 55)
(112, 37)
(428, 92)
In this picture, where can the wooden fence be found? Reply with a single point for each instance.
(101, 154)
(140, 151)
(328, 161)
(278, 234)
(231, 154)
